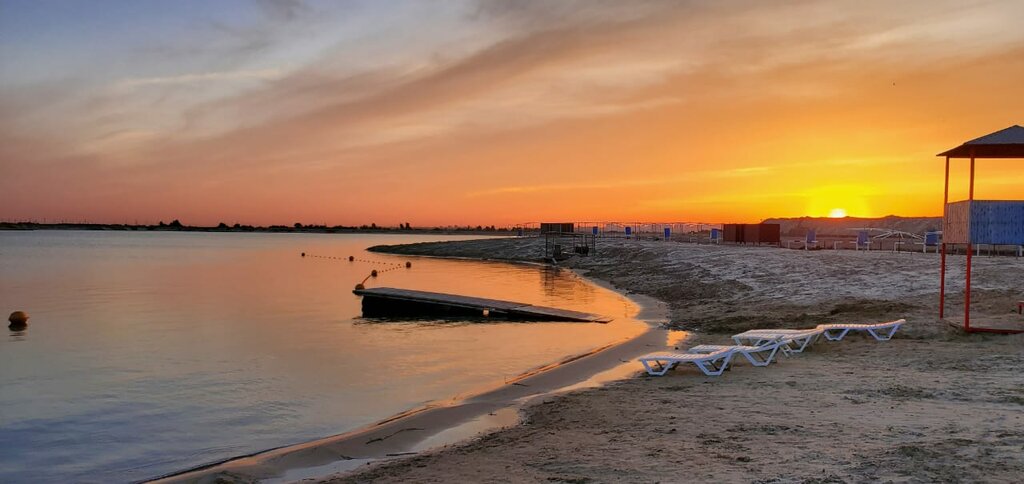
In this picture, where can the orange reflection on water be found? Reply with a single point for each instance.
(186, 342)
(673, 338)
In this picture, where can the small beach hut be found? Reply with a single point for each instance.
(973, 221)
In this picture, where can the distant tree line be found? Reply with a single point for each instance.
(177, 225)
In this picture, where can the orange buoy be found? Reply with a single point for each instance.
(373, 273)
(408, 265)
(18, 319)
(350, 258)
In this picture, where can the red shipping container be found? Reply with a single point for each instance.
(770, 234)
(751, 233)
(732, 233)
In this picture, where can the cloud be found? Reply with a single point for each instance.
(529, 79)
(229, 76)
(594, 62)
(661, 97)
(284, 10)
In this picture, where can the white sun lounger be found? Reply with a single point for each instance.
(879, 331)
(757, 355)
(795, 340)
(712, 364)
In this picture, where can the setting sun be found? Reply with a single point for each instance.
(534, 116)
(837, 213)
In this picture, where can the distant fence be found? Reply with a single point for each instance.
(710, 232)
(675, 230)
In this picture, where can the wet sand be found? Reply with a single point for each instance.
(932, 405)
(414, 430)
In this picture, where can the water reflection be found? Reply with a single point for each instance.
(674, 337)
(17, 334)
(162, 351)
(425, 322)
(556, 284)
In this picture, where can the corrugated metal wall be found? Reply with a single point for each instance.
(956, 223)
(752, 233)
(557, 227)
(998, 222)
(733, 232)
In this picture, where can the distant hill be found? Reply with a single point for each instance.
(843, 226)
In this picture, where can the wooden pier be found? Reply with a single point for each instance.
(389, 301)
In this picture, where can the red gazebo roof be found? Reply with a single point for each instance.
(1005, 143)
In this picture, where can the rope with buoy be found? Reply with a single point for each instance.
(389, 266)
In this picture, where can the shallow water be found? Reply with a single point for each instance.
(149, 353)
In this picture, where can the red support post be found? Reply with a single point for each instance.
(971, 194)
(942, 283)
(967, 292)
(970, 250)
(942, 264)
(945, 191)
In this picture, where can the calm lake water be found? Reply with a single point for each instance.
(149, 353)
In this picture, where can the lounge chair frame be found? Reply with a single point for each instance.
(879, 331)
(761, 355)
(794, 340)
(711, 364)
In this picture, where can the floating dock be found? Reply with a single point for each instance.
(389, 301)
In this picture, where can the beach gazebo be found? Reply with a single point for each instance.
(970, 222)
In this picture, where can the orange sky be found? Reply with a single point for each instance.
(485, 113)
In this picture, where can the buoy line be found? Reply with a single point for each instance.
(390, 266)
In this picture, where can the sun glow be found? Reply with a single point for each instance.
(837, 213)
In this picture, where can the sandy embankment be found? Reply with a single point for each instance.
(932, 405)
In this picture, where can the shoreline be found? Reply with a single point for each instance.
(462, 417)
(723, 289)
(931, 405)
(900, 394)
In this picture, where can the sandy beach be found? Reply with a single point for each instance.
(932, 405)
(725, 289)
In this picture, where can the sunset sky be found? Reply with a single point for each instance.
(488, 112)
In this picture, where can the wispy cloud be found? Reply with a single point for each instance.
(527, 102)
(195, 78)
(692, 177)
